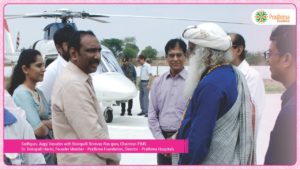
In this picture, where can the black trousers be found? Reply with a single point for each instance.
(161, 158)
(123, 105)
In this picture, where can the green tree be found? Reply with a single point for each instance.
(149, 52)
(131, 50)
(115, 45)
(130, 40)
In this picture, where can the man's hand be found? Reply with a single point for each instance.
(47, 123)
(170, 138)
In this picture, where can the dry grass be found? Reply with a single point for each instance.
(272, 86)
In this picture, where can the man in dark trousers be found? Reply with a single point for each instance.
(145, 84)
(130, 73)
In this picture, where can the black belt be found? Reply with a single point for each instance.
(168, 134)
(144, 80)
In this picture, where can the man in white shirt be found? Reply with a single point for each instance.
(253, 78)
(17, 128)
(61, 38)
(145, 83)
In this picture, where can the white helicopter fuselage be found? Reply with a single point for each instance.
(110, 84)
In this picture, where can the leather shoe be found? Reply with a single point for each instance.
(129, 112)
(141, 114)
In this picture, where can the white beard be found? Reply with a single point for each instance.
(199, 62)
(195, 70)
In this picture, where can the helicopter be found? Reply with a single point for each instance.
(108, 72)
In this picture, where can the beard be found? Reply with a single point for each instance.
(66, 56)
(196, 68)
(200, 61)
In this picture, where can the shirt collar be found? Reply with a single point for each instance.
(182, 74)
(9, 118)
(81, 75)
(62, 61)
(290, 91)
(244, 66)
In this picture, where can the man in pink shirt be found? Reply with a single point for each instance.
(167, 103)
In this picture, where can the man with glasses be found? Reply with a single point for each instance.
(167, 103)
(254, 81)
(282, 60)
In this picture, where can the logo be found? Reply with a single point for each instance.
(274, 17)
(261, 16)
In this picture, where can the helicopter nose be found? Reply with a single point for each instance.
(124, 89)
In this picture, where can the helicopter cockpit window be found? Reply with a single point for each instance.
(111, 62)
(53, 27)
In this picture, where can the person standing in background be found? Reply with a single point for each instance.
(130, 73)
(61, 38)
(145, 83)
(254, 81)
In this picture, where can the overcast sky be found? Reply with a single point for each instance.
(153, 32)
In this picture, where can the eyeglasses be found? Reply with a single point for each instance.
(268, 54)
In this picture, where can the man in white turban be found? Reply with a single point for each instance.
(218, 120)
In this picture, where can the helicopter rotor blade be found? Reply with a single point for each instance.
(45, 15)
(68, 14)
(13, 16)
(35, 15)
(85, 14)
(97, 20)
(56, 14)
(170, 18)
